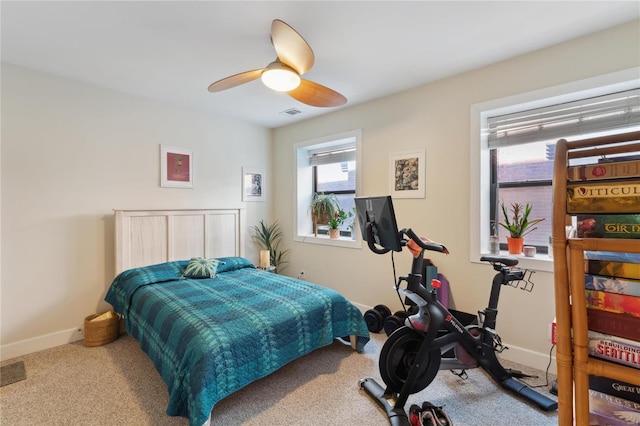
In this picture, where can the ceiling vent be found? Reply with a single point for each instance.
(291, 112)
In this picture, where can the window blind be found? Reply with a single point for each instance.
(340, 154)
(608, 112)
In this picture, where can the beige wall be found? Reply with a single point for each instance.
(436, 117)
(71, 153)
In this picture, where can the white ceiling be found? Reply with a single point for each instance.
(172, 51)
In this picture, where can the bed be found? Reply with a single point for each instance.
(209, 337)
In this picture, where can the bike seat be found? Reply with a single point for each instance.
(505, 260)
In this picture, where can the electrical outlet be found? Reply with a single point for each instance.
(301, 275)
(77, 334)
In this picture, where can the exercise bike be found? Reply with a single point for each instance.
(414, 353)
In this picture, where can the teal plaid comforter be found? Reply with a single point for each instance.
(210, 337)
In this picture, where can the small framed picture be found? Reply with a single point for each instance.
(407, 174)
(253, 184)
(177, 167)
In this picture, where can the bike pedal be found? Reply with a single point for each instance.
(462, 374)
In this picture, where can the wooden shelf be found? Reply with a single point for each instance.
(572, 355)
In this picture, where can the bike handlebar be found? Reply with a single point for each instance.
(425, 245)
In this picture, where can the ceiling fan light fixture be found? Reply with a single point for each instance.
(294, 58)
(279, 77)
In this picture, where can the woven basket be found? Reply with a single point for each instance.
(98, 333)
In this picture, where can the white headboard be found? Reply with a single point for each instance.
(147, 237)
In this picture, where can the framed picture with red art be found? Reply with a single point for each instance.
(177, 167)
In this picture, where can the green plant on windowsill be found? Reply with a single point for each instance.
(268, 238)
(339, 219)
(322, 208)
(519, 225)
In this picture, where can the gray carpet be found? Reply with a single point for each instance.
(117, 384)
(12, 373)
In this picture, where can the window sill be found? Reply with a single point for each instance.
(540, 262)
(325, 240)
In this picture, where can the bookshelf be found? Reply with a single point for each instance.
(572, 357)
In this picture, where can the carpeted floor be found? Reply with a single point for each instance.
(117, 384)
(12, 373)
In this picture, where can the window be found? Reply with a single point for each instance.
(522, 147)
(337, 176)
(513, 143)
(329, 166)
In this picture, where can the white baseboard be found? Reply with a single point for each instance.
(522, 356)
(36, 344)
(529, 358)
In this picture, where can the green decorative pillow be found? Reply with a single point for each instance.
(199, 267)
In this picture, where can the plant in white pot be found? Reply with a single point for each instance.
(518, 226)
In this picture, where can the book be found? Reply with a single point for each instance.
(608, 226)
(620, 325)
(603, 170)
(614, 387)
(613, 302)
(616, 256)
(613, 264)
(610, 410)
(612, 284)
(616, 349)
(613, 269)
(604, 197)
(621, 418)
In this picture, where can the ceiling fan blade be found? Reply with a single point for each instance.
(292, 49)
(317, 95)
(235, 80)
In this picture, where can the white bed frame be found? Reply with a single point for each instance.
(147, 237)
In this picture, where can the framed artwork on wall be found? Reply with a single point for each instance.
(177, 167)
(253, 184)
(407, 174)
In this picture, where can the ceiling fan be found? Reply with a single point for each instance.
(294, 58)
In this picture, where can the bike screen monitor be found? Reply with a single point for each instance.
(376, 214)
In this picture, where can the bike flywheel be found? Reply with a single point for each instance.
(398, 355)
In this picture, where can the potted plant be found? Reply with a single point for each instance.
(340, 217)
(518, 226)
(268, 237)
(322, 208)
